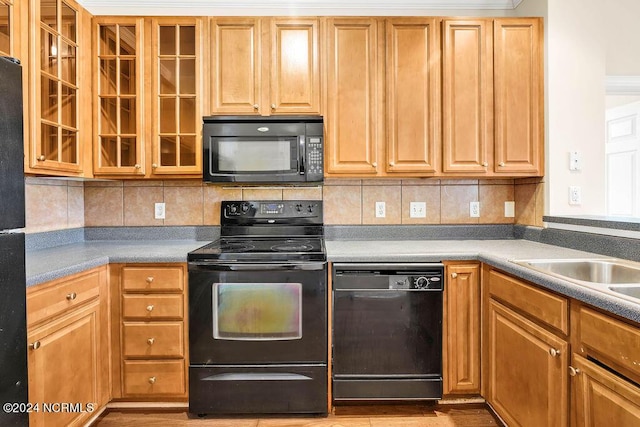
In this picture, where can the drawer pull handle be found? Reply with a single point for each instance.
(152, 380)
(149, 279)
(573, 371)
(454, 275)
(71, 296)
(150, 308)
(35, 345)
(150, 341)
(554, 353)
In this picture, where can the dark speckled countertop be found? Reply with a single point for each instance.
(48, 264)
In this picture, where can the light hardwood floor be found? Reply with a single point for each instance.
(472, 415)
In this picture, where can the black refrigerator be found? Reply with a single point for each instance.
(13, 322)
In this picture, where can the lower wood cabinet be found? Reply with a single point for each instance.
(67, 323)
(149, 331)
(461, 329)
(525, 363)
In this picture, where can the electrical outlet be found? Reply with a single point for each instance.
(575, 195)
(159, 211)
(380, 210)
(474, 209)
(418, 210)
(509, 209)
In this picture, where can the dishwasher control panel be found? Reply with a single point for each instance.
(417, 282)
(388, 276)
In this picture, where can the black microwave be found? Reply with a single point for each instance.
(259, 149)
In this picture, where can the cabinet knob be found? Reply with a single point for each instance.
(42, 158)
(137, 166)
(454, 275)
(485, 164)
(152, 380)
(71, 296)
(150, 308)
(149, 279)
(150, 341)
(374, 164)
(35, 345)
(273, 106)
(256, 106)
(554, 353)
(392, 164)
(154, 165)
(501, 164)
(573, 371)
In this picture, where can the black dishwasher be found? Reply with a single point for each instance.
(387, 331)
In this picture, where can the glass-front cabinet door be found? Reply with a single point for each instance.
(55, 142)
(119, 148)
(177, 88)
(7, 29)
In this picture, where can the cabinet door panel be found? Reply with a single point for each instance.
(295, 71)
(527, 384)
(519, 119)
(461, 329)
(602, 398)
(352, 96)
(413, 95)
(467, 95)
(63, 367)
(236, 65)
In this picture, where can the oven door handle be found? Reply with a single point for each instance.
(308, 266)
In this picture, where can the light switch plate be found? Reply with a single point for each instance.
(418, 210)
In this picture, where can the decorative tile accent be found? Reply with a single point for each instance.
(492, 198)
(184, 205)
(342, 204)
(139, 205)
(103, 206)
(391, 195)
(430, 194)
(454, 204)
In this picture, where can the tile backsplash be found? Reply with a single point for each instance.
(58, 204)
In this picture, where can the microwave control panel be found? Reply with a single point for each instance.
(315, 156)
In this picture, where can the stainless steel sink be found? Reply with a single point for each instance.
(612, 276)
(602, 271)
(631, 291)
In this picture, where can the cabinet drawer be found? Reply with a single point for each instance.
(154, 377)
(546, 307)
(611, 341)
(147, 307)
(150, 279)
(56, 299)
(158, 339)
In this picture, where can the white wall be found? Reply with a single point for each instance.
(622, 37)
(576, 104)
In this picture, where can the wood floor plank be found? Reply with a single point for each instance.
(419, 415)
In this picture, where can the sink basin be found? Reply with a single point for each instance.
(630, 291)
(603, 271)
(612, 276)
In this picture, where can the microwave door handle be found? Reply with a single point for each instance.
(303, 154)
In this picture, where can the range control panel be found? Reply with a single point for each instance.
(248, 211)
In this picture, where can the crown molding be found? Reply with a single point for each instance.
(622, 85)
(287, 7)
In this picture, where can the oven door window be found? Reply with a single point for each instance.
(257, 311)
(254, 155)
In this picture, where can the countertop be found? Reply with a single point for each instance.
(48, 264)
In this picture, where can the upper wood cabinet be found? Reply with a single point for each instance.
(519, 96)
(59, 85)
(119, 102)
(9, 30)
(413, 95)
(467, 95)
(265, 65)
(176, 126)
(354, 119)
